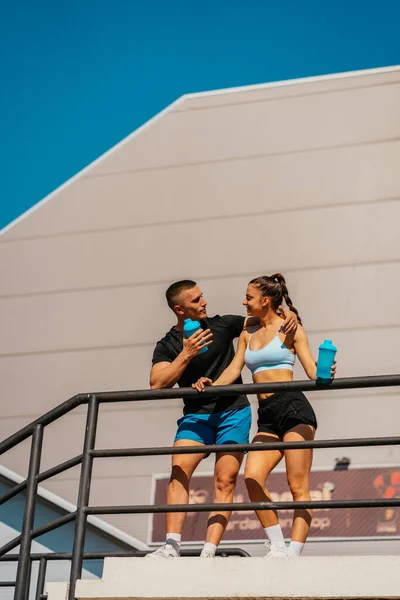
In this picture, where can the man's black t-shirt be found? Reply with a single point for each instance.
(209, 364)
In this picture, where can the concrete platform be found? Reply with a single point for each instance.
(339, 577)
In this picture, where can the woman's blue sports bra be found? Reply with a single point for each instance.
(274, 355)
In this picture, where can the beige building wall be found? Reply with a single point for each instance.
(300, 177)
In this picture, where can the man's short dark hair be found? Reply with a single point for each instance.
(175, 289)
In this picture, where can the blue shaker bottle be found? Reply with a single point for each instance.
(189, 328)
(326, 356)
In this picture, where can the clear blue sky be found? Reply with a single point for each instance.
(78, 76)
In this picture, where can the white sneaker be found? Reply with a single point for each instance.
(207, 554)
(275, 552)
(165, 551)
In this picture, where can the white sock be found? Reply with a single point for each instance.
(295, 548)
(275, 536)
(211, 547)
(174, 537)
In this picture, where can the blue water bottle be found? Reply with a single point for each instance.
(189, 328)
(326, 356)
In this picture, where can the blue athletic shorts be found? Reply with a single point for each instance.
(227, 427)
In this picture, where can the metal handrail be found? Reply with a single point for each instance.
(241, 506)
(35, 430)
(165, 451)
(171, 393)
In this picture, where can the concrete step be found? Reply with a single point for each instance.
(322, 577)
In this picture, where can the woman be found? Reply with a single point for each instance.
(282, 416)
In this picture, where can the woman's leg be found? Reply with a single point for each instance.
(259, 465)
(298, 467)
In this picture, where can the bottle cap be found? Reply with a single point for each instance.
(327, 345)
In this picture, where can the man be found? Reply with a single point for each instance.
(216, 420)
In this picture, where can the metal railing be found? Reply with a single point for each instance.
(29, 486)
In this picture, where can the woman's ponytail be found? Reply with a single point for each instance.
(279, 278)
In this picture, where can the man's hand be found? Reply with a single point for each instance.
(201, 384)
(290, 321)
(196, 342)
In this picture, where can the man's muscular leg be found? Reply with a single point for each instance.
(183, 466)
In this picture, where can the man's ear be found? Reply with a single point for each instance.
(178, 310)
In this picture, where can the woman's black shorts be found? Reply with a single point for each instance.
(284, 410)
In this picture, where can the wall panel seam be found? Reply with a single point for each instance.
(245, 157)
(287, 97)
(211, 218)
(202, 278)
(324, 331)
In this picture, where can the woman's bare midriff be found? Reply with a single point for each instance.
(272, 376)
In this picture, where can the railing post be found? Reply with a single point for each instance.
(41, 579)
(28, 580)
(29, 514)
(83, 495)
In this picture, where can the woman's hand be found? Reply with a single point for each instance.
(333, 370)
(201, 384)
